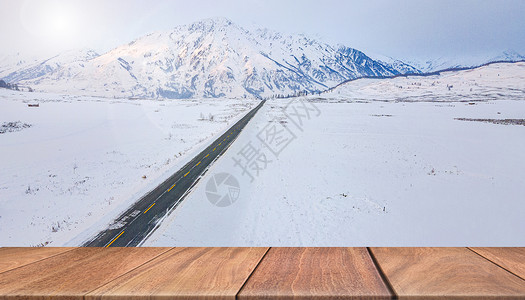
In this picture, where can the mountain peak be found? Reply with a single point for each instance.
(211, 23)
(210, 58)
(81, 54)
(509, 55)
(218, 21)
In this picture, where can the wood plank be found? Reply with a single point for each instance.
(446, 273)
(74, 273)
(14, 257)
(310, 273)
(512, 259)
(199, 273)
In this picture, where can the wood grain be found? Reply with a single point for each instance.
(11, 258)
(199, 273)
(72, 274)
(310, 273)
(446, 273)
(512, 259)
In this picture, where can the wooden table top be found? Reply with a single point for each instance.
(11, 258)
(262, 273)
(451, 273)
(345, 273)
(72, 274)
(184, 272)
(511, 259)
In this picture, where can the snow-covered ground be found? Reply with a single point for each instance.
(73, 163)
(374, 162)
(353, 171)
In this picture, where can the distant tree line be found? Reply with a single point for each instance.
(12, 86)
(295, 94)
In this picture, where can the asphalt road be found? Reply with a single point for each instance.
(142, 218)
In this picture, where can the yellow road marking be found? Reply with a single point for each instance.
(186, 174)
(198, 163)
(214, 148)
(171, 187)
(207, 155)
(220, 143)
(149, 208)
(115, 239)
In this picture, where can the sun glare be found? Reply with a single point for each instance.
(51, 20)
(60, 22)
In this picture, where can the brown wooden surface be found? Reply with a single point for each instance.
(512, 259)
(283, 273)
(11, 258)
(72, 274)
(446, 273)
(310, 273)
(201, 273)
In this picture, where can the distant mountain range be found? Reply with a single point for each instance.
(495, 81)
(16, 68)
(442, 63)
(209, 58)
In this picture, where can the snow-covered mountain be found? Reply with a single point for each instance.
(210, 58)
(443, 63)
(16, 68)
(14, 62)
(396, 64)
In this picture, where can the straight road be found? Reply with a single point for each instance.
(142, 218)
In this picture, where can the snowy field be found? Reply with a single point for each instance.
(352, 171)
(410, 161)
(71, 165)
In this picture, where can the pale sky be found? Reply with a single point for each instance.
(402, 29)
